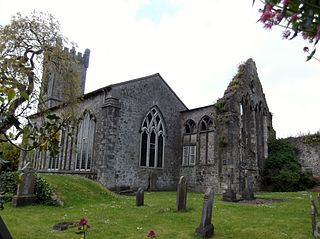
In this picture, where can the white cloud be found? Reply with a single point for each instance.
(197, 50)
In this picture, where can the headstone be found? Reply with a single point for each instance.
(140, 197)
(4, 232)
(314, 204)
(247, 193)
(25, 192)
(206, 229)
(316, 233)
(181, 202)
(152, 182)
(229, 195)
(62, 226)
(313, 219)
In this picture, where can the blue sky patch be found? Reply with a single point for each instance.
(155, 9)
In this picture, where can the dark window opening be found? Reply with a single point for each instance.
(144, 142)
(160, 151)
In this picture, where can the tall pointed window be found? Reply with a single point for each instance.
(152, 140)
(85, 143)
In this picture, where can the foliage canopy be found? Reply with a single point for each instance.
(25, 44)
(297, 17)
(283, 170)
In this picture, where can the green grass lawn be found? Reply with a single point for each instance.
(114, 216)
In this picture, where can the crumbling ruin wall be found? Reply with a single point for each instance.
(244, 126)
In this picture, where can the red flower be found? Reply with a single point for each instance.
(151, 234)
(83, 222)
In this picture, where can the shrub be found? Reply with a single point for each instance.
(9, 154)
(283, 170)
(9, 183)
(43, 191)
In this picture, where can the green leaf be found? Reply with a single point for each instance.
(11, 135)
(52, 117)
(311, 55)
(24, 95)
(11, 94)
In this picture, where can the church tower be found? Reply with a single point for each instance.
(64, 77)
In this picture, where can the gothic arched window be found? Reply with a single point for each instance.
(206, 123)
(85, 143)
(152, 140)
(189, 126)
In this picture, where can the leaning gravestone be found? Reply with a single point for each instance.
(314, 204)
(313, 219)
(140, 197)
(206, 229)
(25, 192)
(4, 232)
(181, 202)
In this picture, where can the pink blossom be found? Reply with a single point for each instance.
(318, 32)
(286, 34)
(294, 17)
(279, 16)
(268, 25)
(267, 13)
(306, 49)
(285, 2)
(305, 35)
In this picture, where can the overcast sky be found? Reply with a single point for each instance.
(195, 45)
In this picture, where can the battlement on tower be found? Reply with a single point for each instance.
(82, 58)
(55, 84)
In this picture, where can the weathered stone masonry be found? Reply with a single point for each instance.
(142, 135)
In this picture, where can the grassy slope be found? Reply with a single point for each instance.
(113, 216)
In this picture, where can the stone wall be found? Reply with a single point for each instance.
(309, 153)
(237, 144)
(134, 100)
(204, 173)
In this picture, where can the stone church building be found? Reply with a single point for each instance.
(138, 133)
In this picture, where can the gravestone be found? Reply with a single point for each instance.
(314, 204)
(62, 226)
(181, 202)
(140, 197)
(229, 195)
(152, 182)
(313, 219)
(247, 193)
(316, 233)
(206, 229)
(4, 232)
(25, 192)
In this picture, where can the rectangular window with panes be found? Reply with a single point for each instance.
(189, 155)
